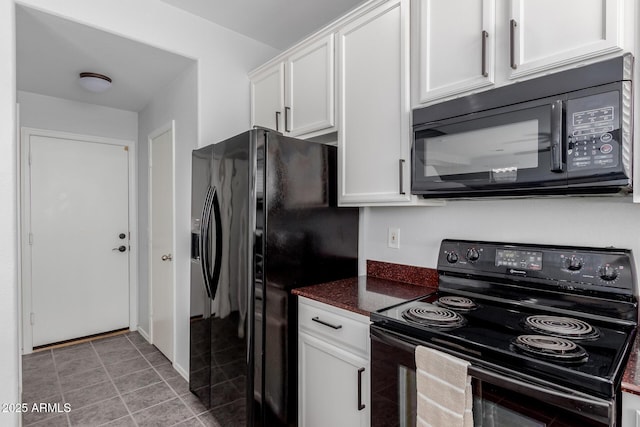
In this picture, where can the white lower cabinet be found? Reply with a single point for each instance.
(630, 410)
(333, 366)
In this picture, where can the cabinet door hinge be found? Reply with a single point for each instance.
(31, 238)
(32, 318)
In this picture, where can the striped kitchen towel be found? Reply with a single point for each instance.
(444, 390)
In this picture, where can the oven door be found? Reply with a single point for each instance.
(498, 399)
(505, 151)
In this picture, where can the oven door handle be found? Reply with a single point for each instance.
(597, 409)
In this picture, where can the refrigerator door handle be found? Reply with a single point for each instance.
(204, 239)
(210, 279)
(215, 279)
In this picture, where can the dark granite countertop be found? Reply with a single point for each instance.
(363, 294)
(385, 284)
(631, 376)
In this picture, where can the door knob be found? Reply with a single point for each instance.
(167, 257)
(120, 248)
(122, 235)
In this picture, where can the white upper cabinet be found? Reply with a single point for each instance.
(310, 88)
(549, 33)
(462, 46)
(456, 42)
(295, 95)
(373, 103)
(267, 97)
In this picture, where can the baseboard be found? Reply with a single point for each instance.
(144, 334)
(181, 371)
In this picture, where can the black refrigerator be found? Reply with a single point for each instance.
(264, 221)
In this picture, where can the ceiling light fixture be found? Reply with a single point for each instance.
(95, 82)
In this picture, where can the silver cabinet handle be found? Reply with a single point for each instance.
(512, 43)
(401, 169)
(277, 121)
(167, 257)
(485, 35)
(322, 322)
(287, 111)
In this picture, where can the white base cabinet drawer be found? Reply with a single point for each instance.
(338, 327)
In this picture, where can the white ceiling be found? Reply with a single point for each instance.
(52, 51)
(278, 23)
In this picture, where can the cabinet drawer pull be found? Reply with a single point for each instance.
(277, 121)
(322, 322)
(512, 43)
(360, 404)
(485, 35)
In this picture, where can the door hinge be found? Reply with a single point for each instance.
(32, 318)
(29, 158)
(31, 238)
(126, 148)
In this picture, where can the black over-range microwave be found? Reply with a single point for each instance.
(564, 133)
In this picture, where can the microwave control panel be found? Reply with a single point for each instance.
(593, 132)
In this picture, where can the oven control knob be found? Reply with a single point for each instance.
(473, 254)
(608, 273)
(573, 263)
(452, 257)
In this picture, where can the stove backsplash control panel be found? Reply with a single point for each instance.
(571, 268)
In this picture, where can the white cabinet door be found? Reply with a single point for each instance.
(456, 43)
(630, 410)
(373, 102)
(267, 98)
(310, 88)
(548, 33)
(329, 380)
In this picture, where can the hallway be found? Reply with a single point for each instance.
(116, 381)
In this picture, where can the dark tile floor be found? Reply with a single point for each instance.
(117, 381)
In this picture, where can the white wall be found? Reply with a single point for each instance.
(178, 102)
(580, 221)
(223, 60)
(46, 112)
(9, 349)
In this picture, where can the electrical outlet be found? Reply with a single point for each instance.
(394, 238)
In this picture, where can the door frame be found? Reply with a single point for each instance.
(24, 207)
(167, 127)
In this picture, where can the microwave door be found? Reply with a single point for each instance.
(496, 152)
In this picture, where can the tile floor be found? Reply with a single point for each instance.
(117, 381)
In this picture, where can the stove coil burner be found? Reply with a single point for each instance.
(562, 327)
(457, 303)
(431, 315)
(555, 348)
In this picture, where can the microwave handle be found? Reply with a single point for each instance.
(556, 136)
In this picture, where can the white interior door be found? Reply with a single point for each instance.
(161, 245)
(79, 238)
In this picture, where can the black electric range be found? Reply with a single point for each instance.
(554, 316)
